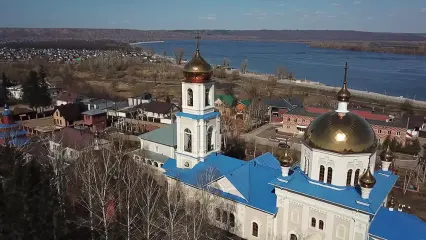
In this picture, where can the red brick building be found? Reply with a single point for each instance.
(95, 119)
(297, 120)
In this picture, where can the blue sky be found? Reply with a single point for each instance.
(365, 15)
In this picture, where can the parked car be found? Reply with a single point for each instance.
(283, 145)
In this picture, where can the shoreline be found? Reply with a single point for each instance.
(318, 86)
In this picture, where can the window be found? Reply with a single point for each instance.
(149, 162)
(313, 222)
(389, 132)
(295, 120)
(187, 140)
(255, 229)
(293, 237)
(321, 173)
(321, 225)
(155, 164)
(224, 217)
(379, 131)
(303, 120)
(190, 96)
(156, 148)
(217, 214)
(231, 220)
(207, 97)
(210, 145)
(329, 175)
(356, 177)
(288, 126)
(288, 119)
(161, 165)
(398, 133)
(341, 232)
(349, 177)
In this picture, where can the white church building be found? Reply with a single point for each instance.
(335, 193)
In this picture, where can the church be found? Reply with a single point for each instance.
(336, 192)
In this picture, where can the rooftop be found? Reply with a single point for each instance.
(165, 136)
(348, 197)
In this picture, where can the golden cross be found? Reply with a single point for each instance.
(346, 71)
(198, 39)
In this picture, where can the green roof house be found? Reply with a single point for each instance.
(226, 99)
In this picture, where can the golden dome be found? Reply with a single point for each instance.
(286, 160)
(367, 179)
(387, 155)
(343, 94)
(197, 70)
(341, 133)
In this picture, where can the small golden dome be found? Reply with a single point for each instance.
(343, 95)
(387, 155)
(286, 160)
(197, 70)
(341, 133)
(367, 180)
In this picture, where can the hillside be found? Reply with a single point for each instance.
(126, 35)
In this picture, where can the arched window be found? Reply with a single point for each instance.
(187, 140)
(254, 229)
(356, 177)
(155, 164)
(321, 225)
(349, 177)
(207, 97)
(341, 232)
(190, 98)
(321, 173)
(217, 214)
(329, 175)
(224, 217)
(306, 167)
(293, 237)
(210, 145)
(149, 162)
(313, 222)
(231, 220)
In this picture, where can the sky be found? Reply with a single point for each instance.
(363, 15)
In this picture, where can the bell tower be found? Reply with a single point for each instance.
(198, 125)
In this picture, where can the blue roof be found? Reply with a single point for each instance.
(395, 225)
(249, 178)
(2, 125)
(94, 111)
(348, 197)
(13, 133)
(19, 142)
(206, 116)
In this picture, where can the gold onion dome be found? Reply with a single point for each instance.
(341, 133)
(387, 155)
(343, 95)
(367, 179)
(286, 160)
(197, 70)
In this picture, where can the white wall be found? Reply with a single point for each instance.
(158, 148)
(198, 90)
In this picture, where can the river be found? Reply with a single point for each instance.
(391, 74)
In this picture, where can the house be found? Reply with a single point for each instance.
(95, 119)
(155, 111)
(277, 107)
(225, 104)
(137, 100)
(71, 142)
(96, 103)
(241, 108)
(67, 97)
(66, 115)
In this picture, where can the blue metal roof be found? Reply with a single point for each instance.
(206, 116)
(395, 225)
(19, 142)
(249, 178)
(8, 125)
(13, 133)
(349, 197)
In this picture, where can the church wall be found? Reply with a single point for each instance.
(297, 212)
(158, 148)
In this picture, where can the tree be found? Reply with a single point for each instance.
(244, 65)
(282, 72)
(4, 97)
(149, 51)
(35, 89)
(271, 84)
(291, 76)
(178, 55)
(226, 62)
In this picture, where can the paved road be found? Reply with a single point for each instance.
(257, 131)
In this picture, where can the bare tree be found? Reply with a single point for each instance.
(149, 51)
(173, 212)
(244, 65)
(271, 84)
(291, 76)
(282, 72)
(226, 62)
(178, 55)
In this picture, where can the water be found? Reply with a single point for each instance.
(391, 74)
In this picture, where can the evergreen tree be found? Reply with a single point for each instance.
(35, 89)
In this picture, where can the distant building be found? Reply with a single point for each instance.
(278, 107)
(67, 97)
(95, 119)
(162, 112)
(145, 98)
(11, 132)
